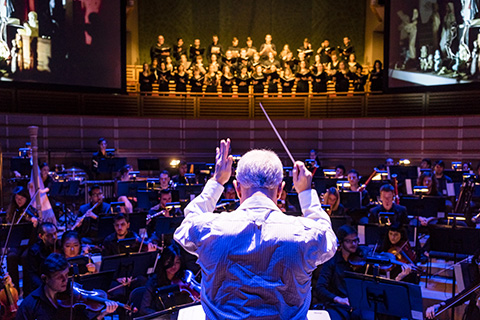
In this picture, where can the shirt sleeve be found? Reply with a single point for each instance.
(324, 239)
(197, 213)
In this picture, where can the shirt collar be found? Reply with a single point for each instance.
(259, 201)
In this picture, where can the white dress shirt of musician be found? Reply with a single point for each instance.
(256, 261)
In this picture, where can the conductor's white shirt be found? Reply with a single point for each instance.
(256, 261)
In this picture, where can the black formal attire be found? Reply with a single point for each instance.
(243, 83)
(215, 47)
(269, 63)
(243, 62)
(359, 82)
(152, 303)
(442, 184)
(33, 259)
(89, 227)
(325, 55)
(146, 81)
(340, 212)
(272, 79)
(227, 83)
(331, 283)
(178, 51)
(111, 246)
(181, 82)
(235, 50)
(346, 51)
(376, 81)
(232, 63)
(287, 84)
(342, 81)
(196, 84)
(163, 80)
(38, 306)
(319, 82)
(400, 214)
(194, 52)
(96, 157)
(159, 52)
(212, 83)
(258, 82)
(302, 83)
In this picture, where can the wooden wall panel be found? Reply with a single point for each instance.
(360, 142)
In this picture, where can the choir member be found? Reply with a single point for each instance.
(234, 48)
(179, 49)
(212, 80)
(267, 47)
(303, 76)
(164, 77)
(215, 48)
(243, 80)
(146, 79)
(196, 81)
(342, 77)
(359, 80)
(319, 79)
(196, 49)
(227, 80)
(250, 48)
(376, 77)
(160, 50)
(306, 49)
(324, 51)
(181, 79)
(184, 62)
(287, 80)
(346, 48)
(258, 80)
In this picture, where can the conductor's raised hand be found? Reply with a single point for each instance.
(302, 177)
(223, 163)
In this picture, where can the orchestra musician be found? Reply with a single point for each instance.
(121, 224)
(100, 154)
(442, 179)
(387, 195)
(87, 221)
(396, 242)
(36, 254)
(340, 171)
(42, 303)
(256, 239)
(72, 248)
(169, 274)
(354, 180)
(164, 197)
(331, 288)
(332, 198)
(164, 180)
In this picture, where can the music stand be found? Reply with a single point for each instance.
(100, 280)
(322, 184)
(373, 233)
(351, 200)
(338, 221)
(130, 188)
(403, 172)
(129, 265)
(81, 262)
(19, 236)
(384, 296)
(111, 165)
(167, 225)
(21, 165)
(146, 199)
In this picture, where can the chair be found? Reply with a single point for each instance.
(135, 299)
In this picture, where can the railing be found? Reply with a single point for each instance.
(177, 105)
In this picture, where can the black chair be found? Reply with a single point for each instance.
(135, 299)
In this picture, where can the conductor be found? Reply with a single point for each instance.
(256, 261)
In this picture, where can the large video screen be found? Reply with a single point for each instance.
(62, 42)
(432, 43)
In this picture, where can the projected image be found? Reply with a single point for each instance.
(433, 43)
(70, 42)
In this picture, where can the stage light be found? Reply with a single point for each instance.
(343, 184)
(174, 163)
(420, 190)
(404, 162)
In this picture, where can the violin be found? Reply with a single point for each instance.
(8, 299)
(92, 300)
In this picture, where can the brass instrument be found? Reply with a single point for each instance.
(396, 197)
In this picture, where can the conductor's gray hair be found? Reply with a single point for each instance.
(260, 169)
